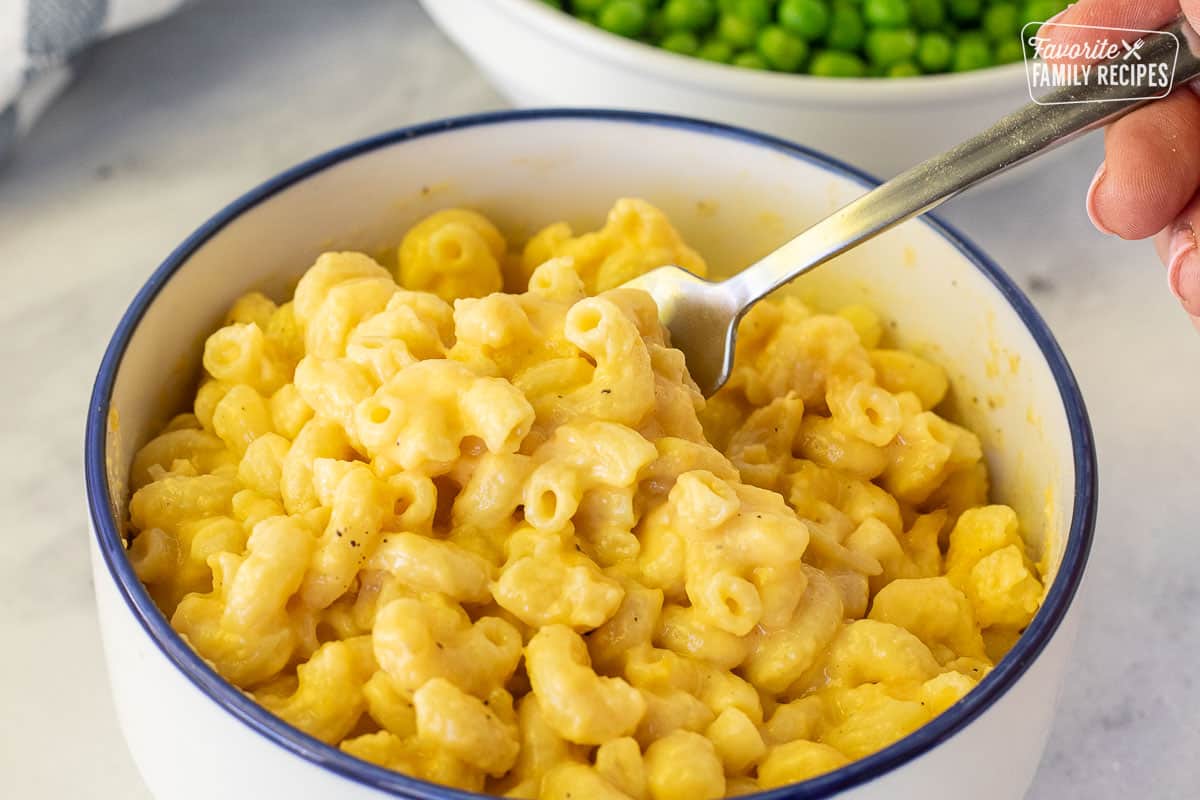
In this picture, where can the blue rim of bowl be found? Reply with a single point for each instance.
(937, 731)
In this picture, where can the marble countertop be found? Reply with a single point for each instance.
(168, 123)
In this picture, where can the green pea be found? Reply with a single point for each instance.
(972, 51)
(586, 6)
(836, 64)
(716, 50)
(623, 17)
(886, 13)
(966, 10)
(656, 28)
(737, 30)
(1009, 51)
(688, 15)
(892, 38)
(683, 42)
(927, 14)
(808, 19)
(1041, 10)
(750, 60)
(935, 52)
(784, 51)
(1002, 21)
(757, 11)
(886, 47)
(846, 28)
(905, 69)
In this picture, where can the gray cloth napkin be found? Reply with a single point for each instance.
(39, 40)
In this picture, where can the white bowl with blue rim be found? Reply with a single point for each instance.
(536, 55)
(735, 195)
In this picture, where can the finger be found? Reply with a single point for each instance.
(1177, 246)
(1148, 14)
(1074, 26)
(1123, 199)
(1151, 168)
(1162, 246)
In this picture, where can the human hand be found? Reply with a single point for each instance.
(1147, 184)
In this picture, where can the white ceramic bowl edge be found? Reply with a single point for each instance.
(537, 56)
(734, 194)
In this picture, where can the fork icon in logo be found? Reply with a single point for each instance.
(1132, 49)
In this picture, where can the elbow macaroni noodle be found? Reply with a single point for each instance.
(500, 541)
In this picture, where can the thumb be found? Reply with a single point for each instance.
(1149, 14)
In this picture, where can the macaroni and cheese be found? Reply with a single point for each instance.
(497, 539)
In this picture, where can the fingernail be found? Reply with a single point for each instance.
(1183, 268)
(1055, 18)
(1091, 200)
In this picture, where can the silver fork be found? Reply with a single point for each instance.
(702, 316)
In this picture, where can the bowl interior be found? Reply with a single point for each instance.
(734, 195)
(733, 199)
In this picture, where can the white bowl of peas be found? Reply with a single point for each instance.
(882, 84)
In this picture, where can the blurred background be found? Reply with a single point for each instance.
(161, 126)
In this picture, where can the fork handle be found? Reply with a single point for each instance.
(1017, 137)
